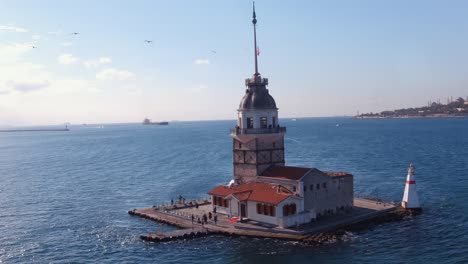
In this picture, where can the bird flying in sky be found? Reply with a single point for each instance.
(148, 41)
(75, 33)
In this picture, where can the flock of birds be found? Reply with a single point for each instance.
(146, 41)
(73, 33)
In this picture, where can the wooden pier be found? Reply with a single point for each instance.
(365, 212)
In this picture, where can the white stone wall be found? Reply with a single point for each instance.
(220, 209)
(252, 214)
(235, 210)
(297, 219)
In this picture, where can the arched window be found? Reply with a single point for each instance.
(263, 122)
(250, 122)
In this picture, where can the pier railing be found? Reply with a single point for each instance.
(173, 208)
(178, 204)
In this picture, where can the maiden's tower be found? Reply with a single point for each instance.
(263, 188)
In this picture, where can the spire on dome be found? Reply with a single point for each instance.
(254, 22)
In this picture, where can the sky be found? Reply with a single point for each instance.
(322, 58)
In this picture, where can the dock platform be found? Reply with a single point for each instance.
(365, 212)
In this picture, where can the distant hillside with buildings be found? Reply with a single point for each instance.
(453, 108)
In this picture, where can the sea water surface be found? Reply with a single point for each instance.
(64, 196)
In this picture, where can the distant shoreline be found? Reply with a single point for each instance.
(34, 130)
(409, 117)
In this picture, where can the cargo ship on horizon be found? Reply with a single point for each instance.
(147, 121)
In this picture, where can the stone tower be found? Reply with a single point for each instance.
(258, 139)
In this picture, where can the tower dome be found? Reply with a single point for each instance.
(257, 96)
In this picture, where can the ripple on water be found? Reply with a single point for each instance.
(65, 197)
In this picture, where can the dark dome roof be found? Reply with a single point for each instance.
(257, 98)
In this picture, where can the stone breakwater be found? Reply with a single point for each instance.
(337, 235)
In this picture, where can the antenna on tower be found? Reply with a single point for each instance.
(254, 22)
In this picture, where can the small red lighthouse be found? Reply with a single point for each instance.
(410, 197)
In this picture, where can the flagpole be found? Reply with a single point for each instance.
(254, 22)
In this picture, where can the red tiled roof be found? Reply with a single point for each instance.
(285, 172)
(254, 191)
(242, 196)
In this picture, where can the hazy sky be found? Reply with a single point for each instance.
(322, 58)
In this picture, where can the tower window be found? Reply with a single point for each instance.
(249, 122)
(273, 121)
(263, 122)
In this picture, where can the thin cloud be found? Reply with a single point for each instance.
(112, 74)
(12, 29)
(198, 89)
(97, 62)
(66, 44)
(55, 32)
(13, 52)
(201, 62)
(4, 90)
(67, 59)
(104, 60)
(25, 87)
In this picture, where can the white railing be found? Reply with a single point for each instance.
(268, 130)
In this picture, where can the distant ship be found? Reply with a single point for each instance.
(147, 121)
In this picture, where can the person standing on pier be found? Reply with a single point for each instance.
(215, 218)
(193, 218)
(210, 215)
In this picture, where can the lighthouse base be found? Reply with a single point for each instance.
(411, 210)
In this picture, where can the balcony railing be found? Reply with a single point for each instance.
(246, 131)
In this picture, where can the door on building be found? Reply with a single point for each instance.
(243, 214)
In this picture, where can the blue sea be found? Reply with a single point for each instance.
(64, 196)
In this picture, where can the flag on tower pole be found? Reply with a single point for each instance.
(258, 51)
